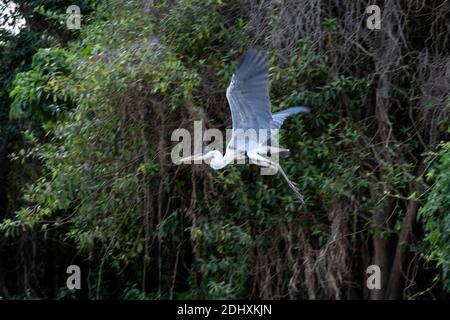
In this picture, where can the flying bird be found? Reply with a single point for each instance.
(248, 97)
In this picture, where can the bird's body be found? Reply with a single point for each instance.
(248, 97)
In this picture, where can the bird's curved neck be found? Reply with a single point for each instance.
(220, 161)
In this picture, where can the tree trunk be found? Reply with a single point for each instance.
(395, 279)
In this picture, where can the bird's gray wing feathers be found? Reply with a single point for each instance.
(279, 117)
(248, 92)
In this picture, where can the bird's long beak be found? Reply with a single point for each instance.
(191, 159)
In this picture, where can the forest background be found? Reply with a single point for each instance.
(86, 117)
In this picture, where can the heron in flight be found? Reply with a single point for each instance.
(248, 97)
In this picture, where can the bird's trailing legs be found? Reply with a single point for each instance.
(258, 159)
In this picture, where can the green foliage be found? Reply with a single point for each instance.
(100, 159)
(435, 214)
(36, 94)
(194, 29)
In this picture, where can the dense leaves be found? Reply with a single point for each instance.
(96, 113)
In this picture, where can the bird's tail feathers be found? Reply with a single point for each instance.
(284, 154)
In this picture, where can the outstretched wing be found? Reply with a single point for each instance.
(248, 97)
(248, 92)
(279, 117)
